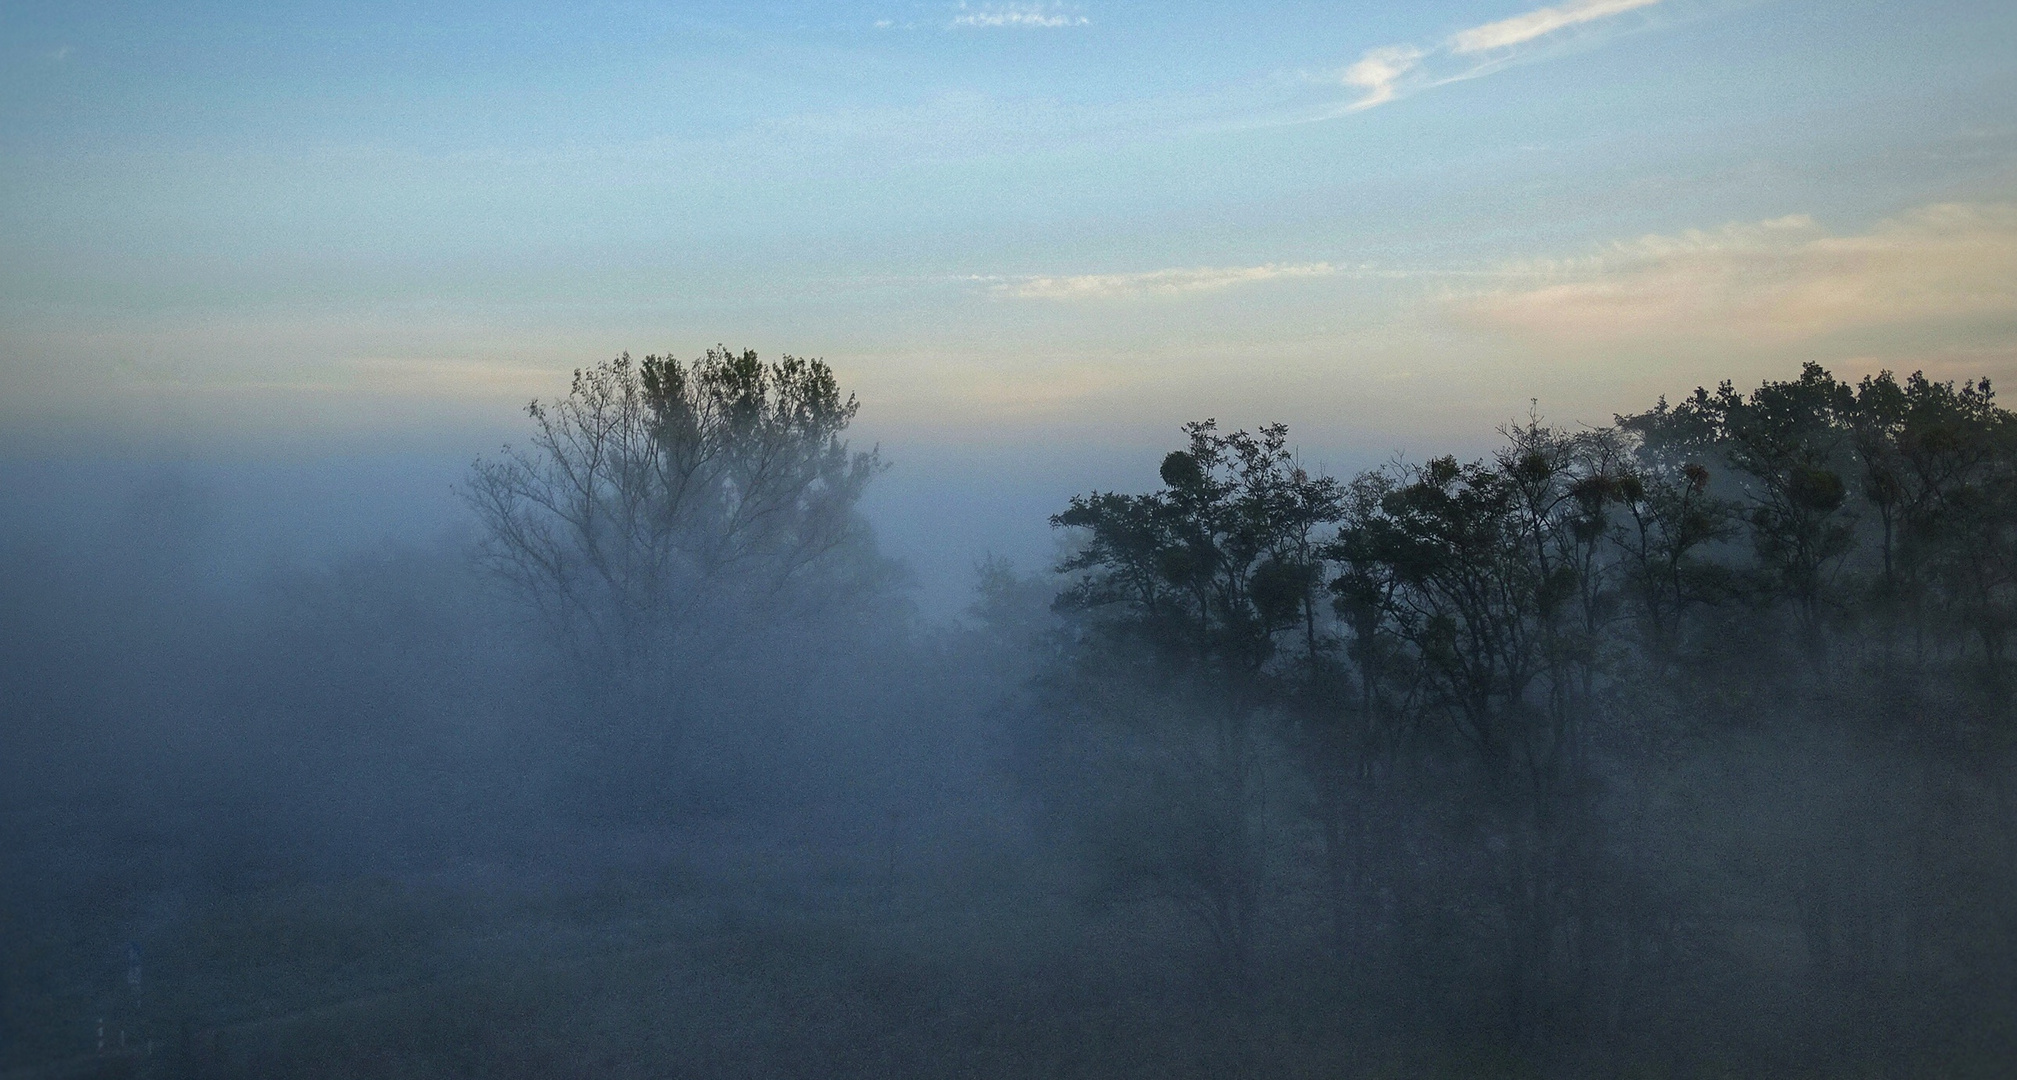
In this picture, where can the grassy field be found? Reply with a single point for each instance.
(731, 956)
(773, 964)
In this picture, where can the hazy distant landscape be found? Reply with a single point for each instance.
(1680, 743)
(1024, 540)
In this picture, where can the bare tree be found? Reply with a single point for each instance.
(659, 501)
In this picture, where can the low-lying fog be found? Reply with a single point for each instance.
(698, 740)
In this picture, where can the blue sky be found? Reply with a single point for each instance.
(1035, 233)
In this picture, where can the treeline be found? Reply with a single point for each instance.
(1689, 737)
(1680, 746)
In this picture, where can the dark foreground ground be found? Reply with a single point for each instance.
(734, 956)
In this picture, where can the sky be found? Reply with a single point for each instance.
(1033, 237)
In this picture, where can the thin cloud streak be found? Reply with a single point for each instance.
(1524, 28)
(1018, 15)
(1171, 282)
(1392, 71)
(1178, 281)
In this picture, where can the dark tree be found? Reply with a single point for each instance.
(1207, 578)
(660, 499)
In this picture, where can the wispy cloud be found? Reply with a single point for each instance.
(1524, 28)
(1170, 282)
(1378, 72)
(1391, 71)
(1946, 272)
(1018, 15)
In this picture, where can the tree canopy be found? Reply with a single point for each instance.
(658, 496)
